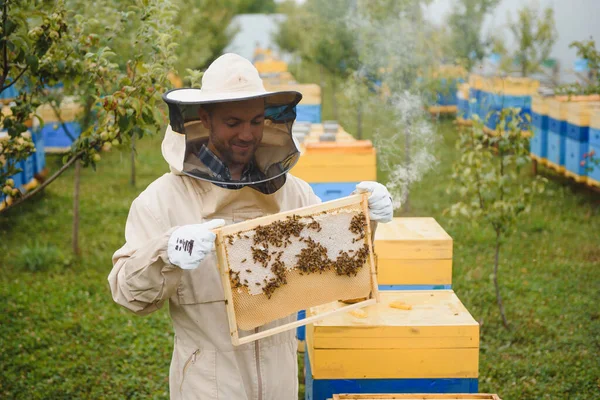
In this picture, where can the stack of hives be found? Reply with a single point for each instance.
(58, 137)
(33, 168)
(566, 135)
(463, 112)
(332, 161)
(448, 78)
(309, 108)
(488, 96)
(267, 63)
(418, 339)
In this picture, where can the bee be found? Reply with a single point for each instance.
(248, 271)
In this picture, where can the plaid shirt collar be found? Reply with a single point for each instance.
(250, 174)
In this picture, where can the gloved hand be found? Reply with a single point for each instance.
(190, 244)
(381, 208)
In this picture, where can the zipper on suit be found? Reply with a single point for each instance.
(191, 360)
(258, 374)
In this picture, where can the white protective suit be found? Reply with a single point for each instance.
(205, 365)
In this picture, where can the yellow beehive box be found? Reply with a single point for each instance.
(558, 106)
(408, 334)
(413, 251)
(580, 113)
(476, 81)
(512, 86)
(69, 110)
(539, 104)
(311, 92)
(351, 161)
(417, 396)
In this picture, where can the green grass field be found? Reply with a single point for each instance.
(62, 337)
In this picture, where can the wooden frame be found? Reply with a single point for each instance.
(419, 396)
(361, 199)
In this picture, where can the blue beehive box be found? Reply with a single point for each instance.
(577, 140)
(40, 153)
(55, 137)
(540, 126)
(594, 149)
(308, 113)
(333, 190)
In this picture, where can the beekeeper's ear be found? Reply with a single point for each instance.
(204, 115)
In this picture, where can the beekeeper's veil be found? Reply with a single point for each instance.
(231, 78)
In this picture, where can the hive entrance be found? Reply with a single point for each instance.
(275, 266)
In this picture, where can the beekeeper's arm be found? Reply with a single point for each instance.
(147, 269)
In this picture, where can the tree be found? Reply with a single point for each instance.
(29, 33)
(393, 48)
(488, 178)
(256, 7)
(535, 35)
(120, 100)
(591, 83)
(205, 31)
(465, 23)
(317, 32)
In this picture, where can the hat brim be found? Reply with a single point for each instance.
(197, 96)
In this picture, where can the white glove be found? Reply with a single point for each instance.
(190, 244)
(381, 207)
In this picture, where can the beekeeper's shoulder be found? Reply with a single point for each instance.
(165, 192)
(298, 187)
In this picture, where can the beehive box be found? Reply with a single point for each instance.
(539, 122)
(311, 92)
(413, 253)
(558, 111)
(430, 343)
(274, 266)
(577, 140)
(417, 396)
(337, 162)
(594, 148)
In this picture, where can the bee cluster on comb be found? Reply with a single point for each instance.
(260, 259)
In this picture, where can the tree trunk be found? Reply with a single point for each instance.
(132, 178)
(76, 250)
(498, 296)
(359, 121)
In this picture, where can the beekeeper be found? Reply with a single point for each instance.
(230, 148)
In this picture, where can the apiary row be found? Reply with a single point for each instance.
(444, 97)
(486, 97)
(566, 136)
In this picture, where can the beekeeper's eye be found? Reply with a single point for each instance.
(257, 121)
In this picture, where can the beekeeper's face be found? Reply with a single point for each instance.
(236, 129)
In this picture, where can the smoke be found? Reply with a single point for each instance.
(405, 148)
(393, 50)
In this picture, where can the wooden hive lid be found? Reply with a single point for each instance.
(413, 238)
(433, 313)
(354, 147)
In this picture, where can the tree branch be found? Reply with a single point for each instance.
(4, 45)
(46, 182)
(15, 80)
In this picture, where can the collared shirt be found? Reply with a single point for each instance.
(251, 172)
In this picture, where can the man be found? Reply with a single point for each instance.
(229, 146)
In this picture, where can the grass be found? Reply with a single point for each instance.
(61, 335)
